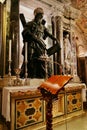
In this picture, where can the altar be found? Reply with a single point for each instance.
(24, 108)
(6, 98)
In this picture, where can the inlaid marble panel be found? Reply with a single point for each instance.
(58, 106)
(28, 112)
(74, 101)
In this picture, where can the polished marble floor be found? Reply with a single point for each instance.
(77, 123)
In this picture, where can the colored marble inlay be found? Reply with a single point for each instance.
(74, 101)
(28, 112)
(58, 106)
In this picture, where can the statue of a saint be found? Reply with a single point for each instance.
(34, 33)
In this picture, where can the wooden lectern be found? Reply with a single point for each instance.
(49, 90)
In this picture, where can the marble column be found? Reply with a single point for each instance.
(2, 39)
(0, 36)
(14, 33)
(58, 36)
(57, 28)
(53, 32)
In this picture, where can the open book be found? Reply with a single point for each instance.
(55, 83)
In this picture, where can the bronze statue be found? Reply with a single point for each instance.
(35, 33)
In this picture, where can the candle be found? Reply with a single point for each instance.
(25, 51)
(9, 50)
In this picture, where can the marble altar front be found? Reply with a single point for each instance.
(6, 98)
(24, 107)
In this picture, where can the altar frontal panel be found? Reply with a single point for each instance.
(28, 112)
(74, 101)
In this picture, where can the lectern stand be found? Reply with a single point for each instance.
(49, 90)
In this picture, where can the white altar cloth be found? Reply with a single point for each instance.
(6, 98)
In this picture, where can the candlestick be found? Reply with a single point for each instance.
(25, 51)
(9, 50)
(26, 74)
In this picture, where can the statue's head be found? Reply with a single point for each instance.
(38, 10)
